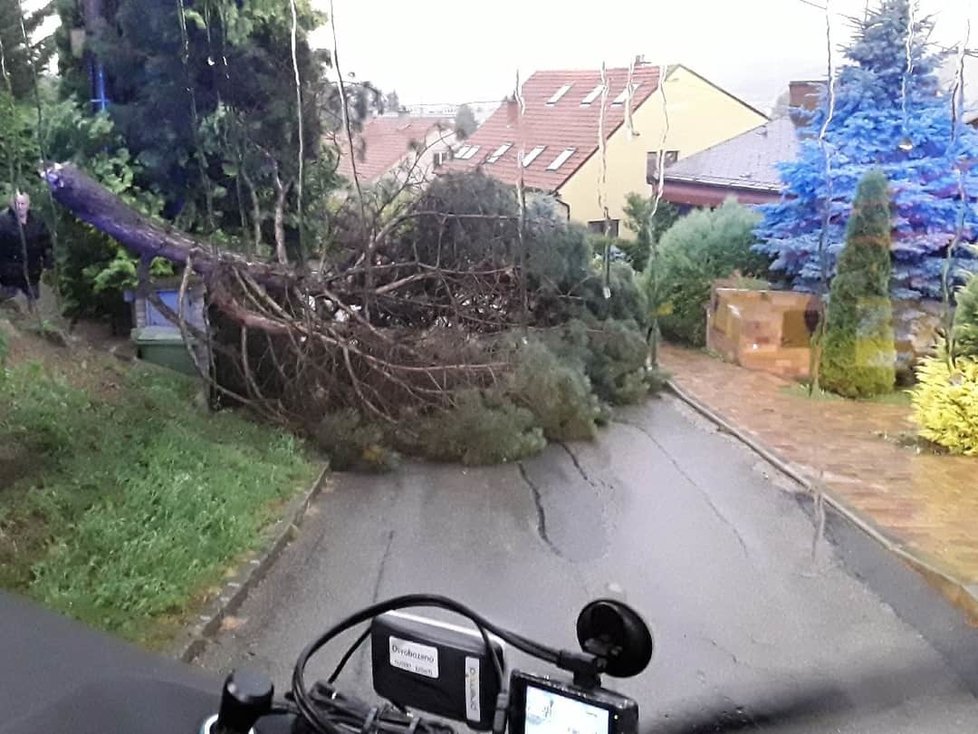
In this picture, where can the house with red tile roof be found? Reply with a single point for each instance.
(408, 147)
(591, 137)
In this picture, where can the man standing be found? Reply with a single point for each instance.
(25, 250)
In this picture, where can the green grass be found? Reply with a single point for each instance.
(897, 397)
(122, 508)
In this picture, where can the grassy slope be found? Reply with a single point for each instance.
(121, 501)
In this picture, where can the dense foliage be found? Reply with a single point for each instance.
(649, 223)
(945, 403)
(896, 119)
(965, 331)
(204, 96)
(945, 398)
(20, 60)
(858, 356)
(699, 248)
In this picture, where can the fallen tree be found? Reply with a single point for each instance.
(296, 345)
(424, 308)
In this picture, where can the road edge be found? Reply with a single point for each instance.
(956, 591)
(248, 574)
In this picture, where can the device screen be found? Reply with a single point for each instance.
(548, 712)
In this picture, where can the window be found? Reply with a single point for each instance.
(593, 94)
(532, 155)
(467, 152)
(499, 152)
(558, 94)
(462, 151)
(598, 227)
(440, 158)
(652, 163)
(561, 159)
(620, 99)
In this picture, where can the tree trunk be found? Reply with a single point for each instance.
(255, 209)
(281, 192)
(90, 202)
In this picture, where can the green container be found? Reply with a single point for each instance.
(163, 345)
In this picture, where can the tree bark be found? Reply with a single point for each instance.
(255, 208)
(281, 192)
(90, 202)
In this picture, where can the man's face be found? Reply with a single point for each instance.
(22, 204)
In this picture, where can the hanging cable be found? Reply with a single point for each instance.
(823, 145)
(603, 181)
(41, 143)
(302, 152)
(194, 118)
(521, 200)
(629, 93)
(653, 336)
(957, 113)
(906, 143)
(14, 176)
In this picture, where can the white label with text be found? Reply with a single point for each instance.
(473, 709)
(414, 657)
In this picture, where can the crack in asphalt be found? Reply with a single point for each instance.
(383, 565)
(702, 490)
(541, 513)
(577, 464)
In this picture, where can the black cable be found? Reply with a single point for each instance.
(310, 709)
(347, 655)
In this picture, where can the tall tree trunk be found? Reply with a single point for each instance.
(255, 209)
(281, 193)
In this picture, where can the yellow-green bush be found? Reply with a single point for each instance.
(945, 403)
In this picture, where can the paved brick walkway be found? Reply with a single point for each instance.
(925, 504)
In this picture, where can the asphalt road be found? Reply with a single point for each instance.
(665, 512)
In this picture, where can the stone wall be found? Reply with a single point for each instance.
(771, 330)
(762, 329)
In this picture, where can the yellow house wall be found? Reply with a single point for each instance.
(700, 116)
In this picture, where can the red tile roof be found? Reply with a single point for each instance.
(384, 142)
(567, 123)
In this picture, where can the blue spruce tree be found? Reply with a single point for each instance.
(893, 117)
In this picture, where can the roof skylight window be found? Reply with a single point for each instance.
(561, 159)
(532, 155)
(499, 152)
(593, 94)
(620, 99)
(558, 94)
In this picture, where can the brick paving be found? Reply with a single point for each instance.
(926, 504)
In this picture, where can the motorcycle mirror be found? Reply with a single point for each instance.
(615, 632)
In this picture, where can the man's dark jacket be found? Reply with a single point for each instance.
(39, 253)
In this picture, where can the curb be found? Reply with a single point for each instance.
(959, 593)
(247, 576)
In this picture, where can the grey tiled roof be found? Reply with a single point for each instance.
(748, 160)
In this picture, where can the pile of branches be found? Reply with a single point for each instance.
(403, 314)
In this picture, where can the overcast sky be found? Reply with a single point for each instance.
(452, 51)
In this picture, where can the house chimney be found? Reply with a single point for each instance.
(804, 94)
(803, 97)
(512, 111)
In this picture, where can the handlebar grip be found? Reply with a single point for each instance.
(247, 696)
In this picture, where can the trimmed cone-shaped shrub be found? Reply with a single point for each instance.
(858, 356)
